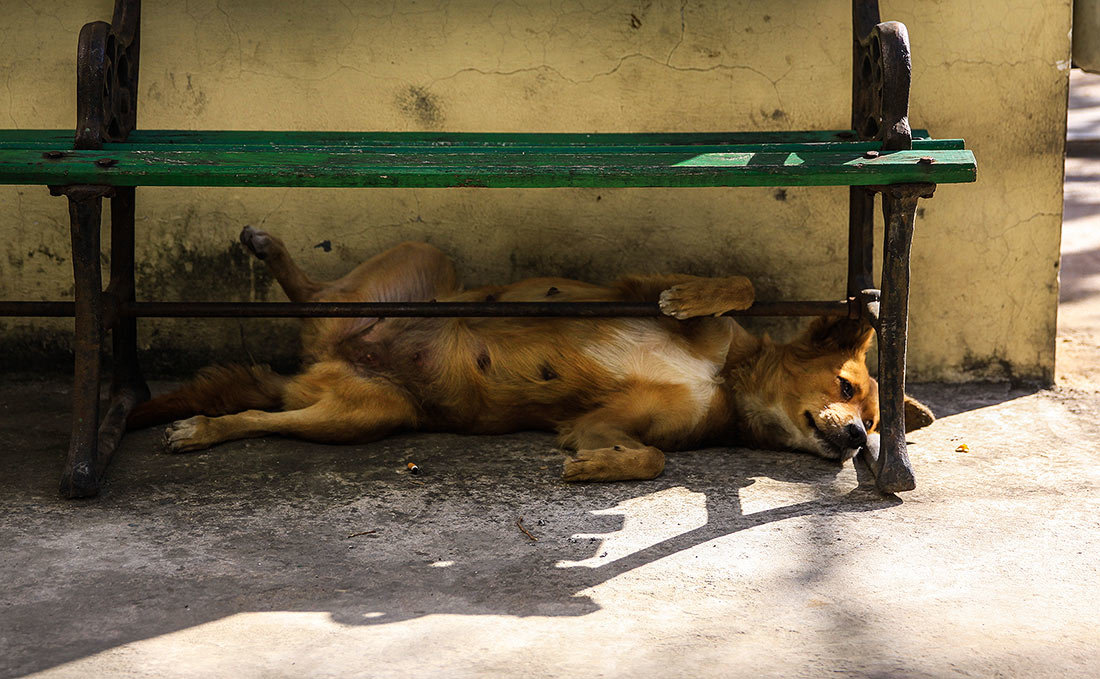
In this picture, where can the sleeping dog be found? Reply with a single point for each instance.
(617, 391)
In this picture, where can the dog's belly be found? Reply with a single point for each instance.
(643, 350)
(498, 375)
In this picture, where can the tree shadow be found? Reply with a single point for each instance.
(276, 525)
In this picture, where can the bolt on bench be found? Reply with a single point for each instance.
(109, 158)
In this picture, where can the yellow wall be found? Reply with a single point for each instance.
(985, 258)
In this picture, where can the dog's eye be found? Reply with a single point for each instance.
(847, 391)
(869, 424)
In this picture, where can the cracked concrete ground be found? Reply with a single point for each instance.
(274, 558)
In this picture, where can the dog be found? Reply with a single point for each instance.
(618, 391)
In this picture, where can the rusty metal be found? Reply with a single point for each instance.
(107, 71)
(920, 189)
(861, 240)
(881, 76)
(127, 310)
(869, 306)
(893, 471)
(107, 77)
(37, 309)
(458, 309)
(80, 477)
(867, 76)
(128, 386)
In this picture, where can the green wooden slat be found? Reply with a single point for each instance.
(479, 168)
(854, 147)
(243, 140)
(532, 147)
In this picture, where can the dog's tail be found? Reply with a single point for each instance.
(216, 390)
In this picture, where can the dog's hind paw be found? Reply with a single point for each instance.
(186, 435)
(258, 242)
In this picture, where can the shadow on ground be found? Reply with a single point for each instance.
(275, 525)
(947, 400)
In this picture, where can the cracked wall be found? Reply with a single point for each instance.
(985, 256)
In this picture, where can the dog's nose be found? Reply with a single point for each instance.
(857, 435)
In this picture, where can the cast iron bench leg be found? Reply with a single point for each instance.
(861, 240)
(893, 472)
(128, 386)
(80, 477)
(96, 310)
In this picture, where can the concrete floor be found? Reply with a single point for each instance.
(273, 558)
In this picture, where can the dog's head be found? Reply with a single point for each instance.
(829, 399)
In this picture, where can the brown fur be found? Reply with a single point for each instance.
(617, 391)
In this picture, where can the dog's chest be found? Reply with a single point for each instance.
(638, 349)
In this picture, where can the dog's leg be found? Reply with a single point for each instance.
(682, 296)
(369, 411)
(707, 297)
(295, 283)
(409, 272)
(609, 454)
(216, 390)
(616, 442)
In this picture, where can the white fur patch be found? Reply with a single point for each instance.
(641, 349)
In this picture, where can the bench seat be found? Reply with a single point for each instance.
(491, 160)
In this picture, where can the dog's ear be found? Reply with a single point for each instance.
(830, 334)
(917, 414)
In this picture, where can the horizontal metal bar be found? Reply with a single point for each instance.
(37, 309)
(412, 309)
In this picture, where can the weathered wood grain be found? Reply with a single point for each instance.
(473, 167)
(245, 139)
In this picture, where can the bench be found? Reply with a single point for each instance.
(109, 158)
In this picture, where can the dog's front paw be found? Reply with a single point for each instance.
(187, 435)
(258, 242)
(707, 297)
(617, 463)
(579, 468)
(679, 303)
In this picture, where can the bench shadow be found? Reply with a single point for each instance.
(947, 399)
(549, 577)
(275, 525)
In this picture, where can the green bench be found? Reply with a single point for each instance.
(108, 158)
(417, 160)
